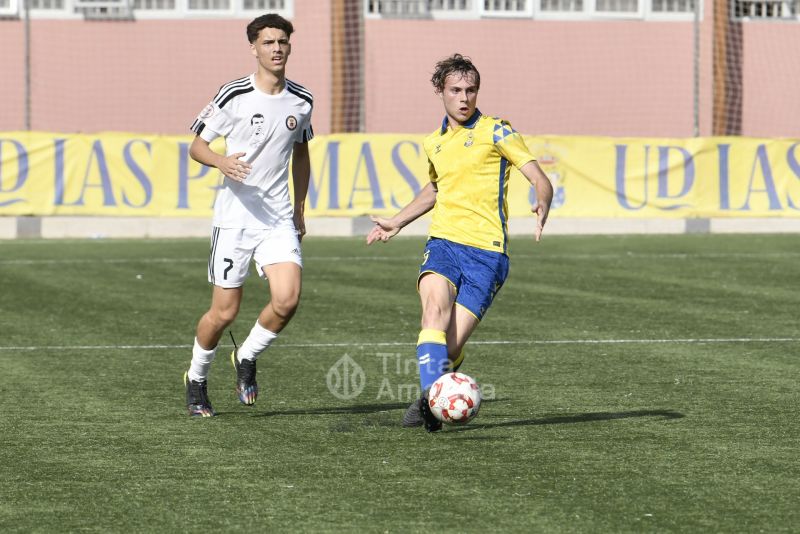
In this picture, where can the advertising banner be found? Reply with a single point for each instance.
(122, 174)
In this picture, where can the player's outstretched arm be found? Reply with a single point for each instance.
(385, 229)
(301, 173)
(231, 166)
(544, 194)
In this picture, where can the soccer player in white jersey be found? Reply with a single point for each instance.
(266, 122)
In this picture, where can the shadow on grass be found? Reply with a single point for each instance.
(348, 409)
(333, 410)
(576, 418)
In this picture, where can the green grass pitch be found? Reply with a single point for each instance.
(634, 384)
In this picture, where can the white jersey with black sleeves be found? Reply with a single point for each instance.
(265, 127)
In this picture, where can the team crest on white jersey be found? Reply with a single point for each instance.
(208, 111)
(291, 122)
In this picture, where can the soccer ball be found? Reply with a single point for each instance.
(454, 398)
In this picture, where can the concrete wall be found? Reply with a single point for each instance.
(149, 76)
(617, 78)
(587, 78)
(771, 80)
(520, 227)
(12, 72)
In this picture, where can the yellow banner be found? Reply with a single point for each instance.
(355, 174)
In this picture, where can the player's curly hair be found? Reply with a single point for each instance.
(270, 20)
(455, 64)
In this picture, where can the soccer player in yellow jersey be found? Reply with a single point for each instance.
(465, 261)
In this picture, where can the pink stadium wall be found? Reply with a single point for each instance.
(610, 78)
(616, 78)
(144, 76)
(772, 105)
(12, 76)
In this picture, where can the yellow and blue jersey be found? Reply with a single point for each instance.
(469, 167)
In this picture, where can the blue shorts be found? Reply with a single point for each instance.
(476, 274)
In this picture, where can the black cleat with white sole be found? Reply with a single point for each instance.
(197, 398)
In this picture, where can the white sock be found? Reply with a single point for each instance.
(257, 341)
(201, 361)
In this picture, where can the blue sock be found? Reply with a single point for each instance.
(431, 357)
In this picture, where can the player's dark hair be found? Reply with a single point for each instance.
(455, 64)
(270, 20)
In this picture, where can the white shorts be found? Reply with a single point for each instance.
(233, 248)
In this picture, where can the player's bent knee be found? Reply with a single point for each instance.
(286, 306)
(435, 316)
(223, 317)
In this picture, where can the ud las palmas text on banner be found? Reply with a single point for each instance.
(122, 174)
